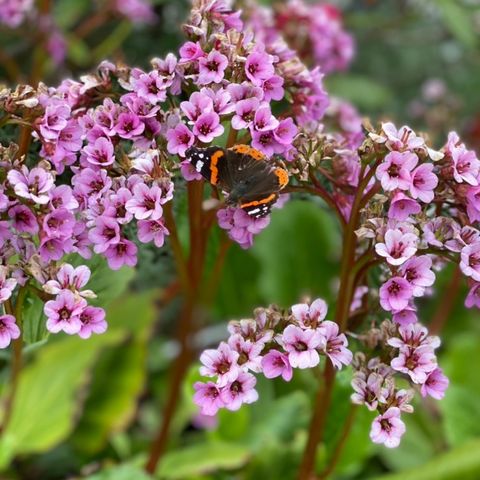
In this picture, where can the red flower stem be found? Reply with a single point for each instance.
(348, 271)
(341, 443)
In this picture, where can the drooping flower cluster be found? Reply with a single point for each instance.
(274, 344)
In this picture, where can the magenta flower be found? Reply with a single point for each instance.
(273, 88)
(473, 204)
(398, 246)
(128, 125)
(285, 132)
(249, 352)
(266, 142)
(207, 127)
(440, 230)
(149, 230)
(435, 385)
(104, 234)
(91, 183)
(69, 278)
(407, 316)
(418, 272)
(222, 363)
(264, 120)
(245, 113)
(64, 313)
(59, 223)
(146, 202)
(8, 330)
(151, 87)
(388, 428)
(413, 336)
(335, 344)
(189, 172)
(7, 285)
(395, 171)
(55, 248)
(240, 391)
(23, 219)
(473, 297)
(368, 391)
(415, 362)
(62, 197)
(207, 397)
(190, 51)
(259, 67)
(54, 120)
(180, 139)
(470, 261)
(395, 294)
(401, 207)
(424, 182)
(197, 104)
(122, 253)
(301, 346)
(221, 100)
(211, 68)
(466, 166)
(310, 316)
(276, 363)
(402, 139)
(93, 321)
(100, 153)
(33, 185)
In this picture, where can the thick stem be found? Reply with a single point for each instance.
(317, 423)
(341, 444)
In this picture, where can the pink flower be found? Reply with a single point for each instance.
(435, 385)
(8, 330)
(7, 285)
(23, 219)
(146, 202)
(395, 294)
(62, 197)
(466, 166)
(59, 223)
(398, 246)
(264, 120)
(424, 182)
(413, 336)
(401, 139)
(180, 139)
(122, 253)
(207, 127)
(395, 171)
(64, 313)
(418, 272)
(149, 230)
(310, 316)
(335, 344)
(190, 51)
(401, 207)
(197, 104)
(415, 362)
(54, 120)
(440, 230)
(105, 233)
(128, 125)
(388, 428)
(241, 390)
(189, 172)
(211, 68)
(93, 321)
(100, 153)
(368, 390)
(301, 346)
(275, 363)
(473, 297)
(259, 67)
(473, 204)
(207, 397)
(266, 142)
(470, 261)
(249, 352)
(273, 88)
(245, 113)
(406, 316)
(33, 185)
(285, 132)
(221, 362)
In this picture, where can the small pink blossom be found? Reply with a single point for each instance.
(435, 385)
(100, 153)
(149, 230)
(310, 316)
(418, 272)
(401, 207)
(398, 246)
(395, 171)
(64, 312)
(301, 346)
(424, 182)
(180, 139)
(276, 363)
(388, 428)
(368, 390)
(466, 166)
(146, 202)
(211, 68)
(415, 362)
(93, 321)
(395, 294)
(222, 363)
(470, 261)
(8, 330)
(240, 391)
(207, 397)
(335, 344)
(33, 185)
(122, 253)
(207, 127)
(473, 297)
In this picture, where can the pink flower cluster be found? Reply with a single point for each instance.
(13, 12)
(273, 344)
(412, 355)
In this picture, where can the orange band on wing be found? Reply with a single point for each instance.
(247, 150)
(213, 166)
(282, 176)
(259, 202)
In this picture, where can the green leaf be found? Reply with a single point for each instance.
(461, 463)
(47, 396)
(364, 92)
(34, 321)
(202, 458)
(297, 253)
(119, 377)
(68, 12)
(459, 20)
(121, 472)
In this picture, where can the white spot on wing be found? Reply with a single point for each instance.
(199, 165)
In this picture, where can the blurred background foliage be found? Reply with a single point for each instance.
(88, 409)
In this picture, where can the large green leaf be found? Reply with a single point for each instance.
(298, 253)
(202, 458)
(459, 20)
(461, 463)
(47, 397)
(121, 472)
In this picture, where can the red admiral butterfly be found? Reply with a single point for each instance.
(251, 182)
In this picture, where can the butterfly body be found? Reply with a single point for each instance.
(251, 182)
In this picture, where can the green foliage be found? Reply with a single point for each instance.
(121, 472)
(34, 329)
